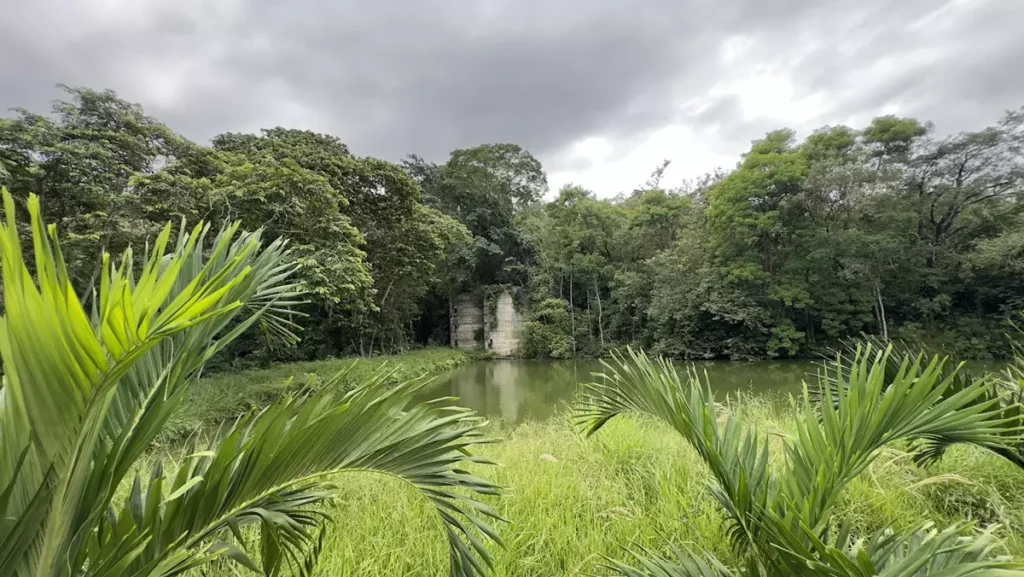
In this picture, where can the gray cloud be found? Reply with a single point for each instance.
(392, 77)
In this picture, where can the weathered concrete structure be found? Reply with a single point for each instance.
(502, 327)
(468, 321)
(496, 330)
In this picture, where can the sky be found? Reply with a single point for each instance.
(600, 91)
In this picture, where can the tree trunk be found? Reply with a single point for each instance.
(572, 316)
(881, 310)
(380, 316)
(600, 327)
(590, 319)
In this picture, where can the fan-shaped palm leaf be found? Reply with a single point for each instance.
(85, 393)
(781, 519)
(1007, 392)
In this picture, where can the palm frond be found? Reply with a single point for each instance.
(924, 551)
(781, 520)
(84, 394)
(1006, 392)
(736, 455)
(838, 437)
(684, 564)
(1013, 377)
(271, 470)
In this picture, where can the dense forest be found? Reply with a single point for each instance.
(888, 229)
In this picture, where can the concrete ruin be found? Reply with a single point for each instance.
(501, 329)
(467, 321)
(496, 330)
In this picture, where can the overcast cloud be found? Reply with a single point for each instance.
(600, 91)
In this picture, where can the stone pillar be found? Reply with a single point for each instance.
(502, 334)
(469, 321)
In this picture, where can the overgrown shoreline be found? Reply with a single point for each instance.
(575, 500)
(216, 399)
(636, 483)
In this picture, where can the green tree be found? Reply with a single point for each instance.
(405, 242)
(891, 138)
(753, 215)
(286, 200)
(485, 188)
(80, 161)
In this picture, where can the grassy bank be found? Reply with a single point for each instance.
(213, 400)
(572, 500)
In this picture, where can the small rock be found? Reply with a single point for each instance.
(548, 458)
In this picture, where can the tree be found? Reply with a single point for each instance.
(891, 138)
(780, 514)
(384, 203)
(286, 200)
(426, 252)
(753, 215)
(887, 229)
(80, 162)
(83, 397)
(953, 175)
(485, 188)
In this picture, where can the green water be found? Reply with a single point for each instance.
(519, 390)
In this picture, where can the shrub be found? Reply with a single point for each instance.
(782, 521)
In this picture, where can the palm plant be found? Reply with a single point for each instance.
(780, 518)
(1007, 388)
(85, 393)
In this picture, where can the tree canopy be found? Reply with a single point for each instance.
(887, 229)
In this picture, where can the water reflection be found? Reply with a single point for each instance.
(519, 390)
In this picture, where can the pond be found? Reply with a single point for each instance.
(519, 390)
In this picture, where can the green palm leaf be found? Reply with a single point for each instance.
(1007, 393)
(781, 520)
(922, 552)
(85, 393)
(684, 564)
(270, 469)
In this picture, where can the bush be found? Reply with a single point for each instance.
(548, 332)
(783, 518)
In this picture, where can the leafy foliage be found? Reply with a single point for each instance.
(1006, 394)
(84, 395)
(886, 229)
(781, 522)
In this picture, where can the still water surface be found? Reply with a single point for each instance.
(520, 390)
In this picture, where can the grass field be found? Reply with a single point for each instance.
(572, 500)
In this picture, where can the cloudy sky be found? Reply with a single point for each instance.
(599, 90)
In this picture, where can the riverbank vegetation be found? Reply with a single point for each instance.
(888, 229)
(84, 493)
(214, 400)
(573, 500)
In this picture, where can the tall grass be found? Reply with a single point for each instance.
(224, 396)
(574, 500)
